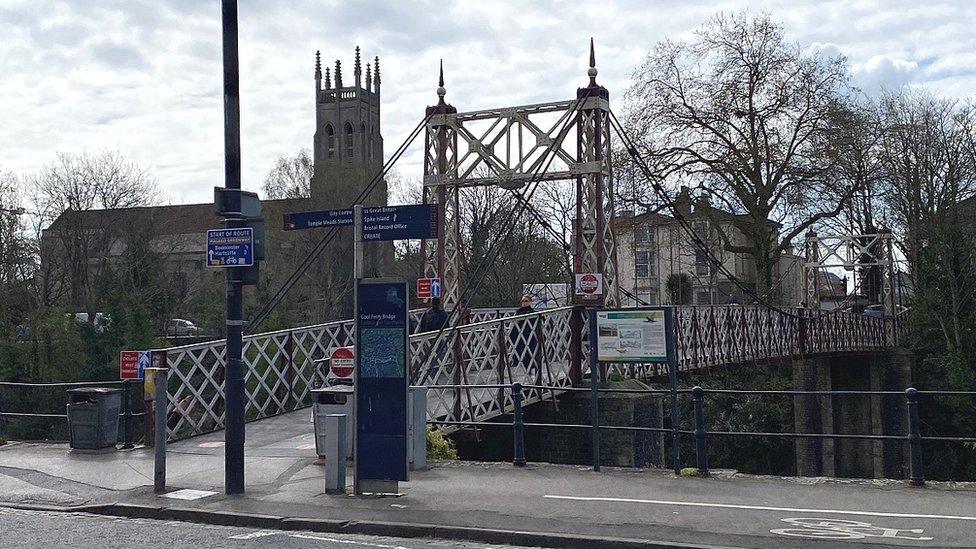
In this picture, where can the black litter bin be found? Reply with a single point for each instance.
(93, 417)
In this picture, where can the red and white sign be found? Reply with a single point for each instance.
(428, 288)
(342, 362)
(132, 364)
(589, 284)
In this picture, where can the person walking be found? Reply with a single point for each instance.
(434, 318)
(523, 336)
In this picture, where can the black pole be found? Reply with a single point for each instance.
(518, 427)
(126, 415)
(701, 437)
(234, 371)
(594, 394)
(673, 381)
(917, 477)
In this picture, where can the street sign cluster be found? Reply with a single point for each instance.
(428, 288)
(410, 222)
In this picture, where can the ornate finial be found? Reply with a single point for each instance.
(591, 72)
(377, 76)
(441, 91)
(369, 77)
(318, 65)
(338, 74)
(358, 68)
(328, 78)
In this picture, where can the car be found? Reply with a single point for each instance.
(877, 310)
(179, 327)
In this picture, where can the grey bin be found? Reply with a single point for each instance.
(339, 399)
(93, 417)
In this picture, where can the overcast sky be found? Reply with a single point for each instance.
(144, 77)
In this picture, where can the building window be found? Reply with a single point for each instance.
(647, 298)
(644, 264)
(703, 229)
(644, 234)
(330, 140)
(702, 262)
(703, 297)
(349, 148)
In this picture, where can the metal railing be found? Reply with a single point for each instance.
(495, 346)
(127, 415)
(701, 433)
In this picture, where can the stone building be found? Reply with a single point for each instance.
(651, 247)
(348, 155)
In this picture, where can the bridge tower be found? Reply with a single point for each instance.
(514, 148)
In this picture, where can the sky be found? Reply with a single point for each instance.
(144, 77)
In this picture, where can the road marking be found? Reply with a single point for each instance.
(821, 528)
(188, 494)
(347, 541)
(764, 508)
(254, 535)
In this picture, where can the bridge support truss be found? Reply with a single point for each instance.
(868, 252)
(515, 148)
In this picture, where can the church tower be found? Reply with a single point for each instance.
(348, 145)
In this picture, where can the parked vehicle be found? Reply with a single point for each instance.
(878, 310)
(179, 327)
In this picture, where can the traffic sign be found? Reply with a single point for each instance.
(230, 247)
(132, 364)
(428, 288)
(312, 220)
(415, 221)
(342, 362)
(589, 284)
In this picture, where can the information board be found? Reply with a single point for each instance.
(633, 335)
(230, 247)
(381, 379)
(132, 364)
(415, 221)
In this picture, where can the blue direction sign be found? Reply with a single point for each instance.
(416, 221)
(312, 220)
(230, 247)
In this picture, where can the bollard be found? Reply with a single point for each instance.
(335, 453)
(701, 440)
(126, 415)
(160, 408)
(917, 477)
(518, 427)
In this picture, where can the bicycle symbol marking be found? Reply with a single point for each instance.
(824, 528)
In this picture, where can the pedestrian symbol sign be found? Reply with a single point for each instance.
(428, 288)
(230, 247)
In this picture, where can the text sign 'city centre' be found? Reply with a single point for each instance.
(416, 221)
(313, 220)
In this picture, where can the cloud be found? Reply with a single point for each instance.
(884, 73)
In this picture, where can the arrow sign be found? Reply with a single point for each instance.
(230, 247)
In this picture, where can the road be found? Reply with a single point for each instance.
(20, 528)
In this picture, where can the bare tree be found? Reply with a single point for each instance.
(291, 176)
(77, 244)
(743, 114)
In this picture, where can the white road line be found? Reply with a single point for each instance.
(347, 541)
(254, 535)
(762, 507)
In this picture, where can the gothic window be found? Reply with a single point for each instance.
(348, 143)
(330, 140)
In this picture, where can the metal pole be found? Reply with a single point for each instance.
(518, 428)
(701, 440)
(159, 452)
(126, 415)
(234, 372)
(357, 249)
(917, 477)
(673, 379)
(594, 394)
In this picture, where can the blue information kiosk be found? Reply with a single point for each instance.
(382, 359)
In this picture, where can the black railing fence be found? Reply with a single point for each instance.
(20, 402)
(700, 433)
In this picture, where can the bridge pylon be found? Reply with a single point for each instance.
(514, 148)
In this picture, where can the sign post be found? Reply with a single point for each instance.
(382, 359)
(230, 247)
(643, 335)
(428, 288)
(133, 364)
(342, 363)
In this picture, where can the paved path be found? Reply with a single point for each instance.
(727, 510)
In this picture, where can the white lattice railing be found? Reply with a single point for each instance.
(494, 347)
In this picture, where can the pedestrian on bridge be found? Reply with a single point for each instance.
(434, 318)
(523, 336)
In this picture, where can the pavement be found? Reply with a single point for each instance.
(494, 503)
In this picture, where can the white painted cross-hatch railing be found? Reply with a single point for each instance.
(496, 347)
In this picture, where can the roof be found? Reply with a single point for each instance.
(169, 220)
